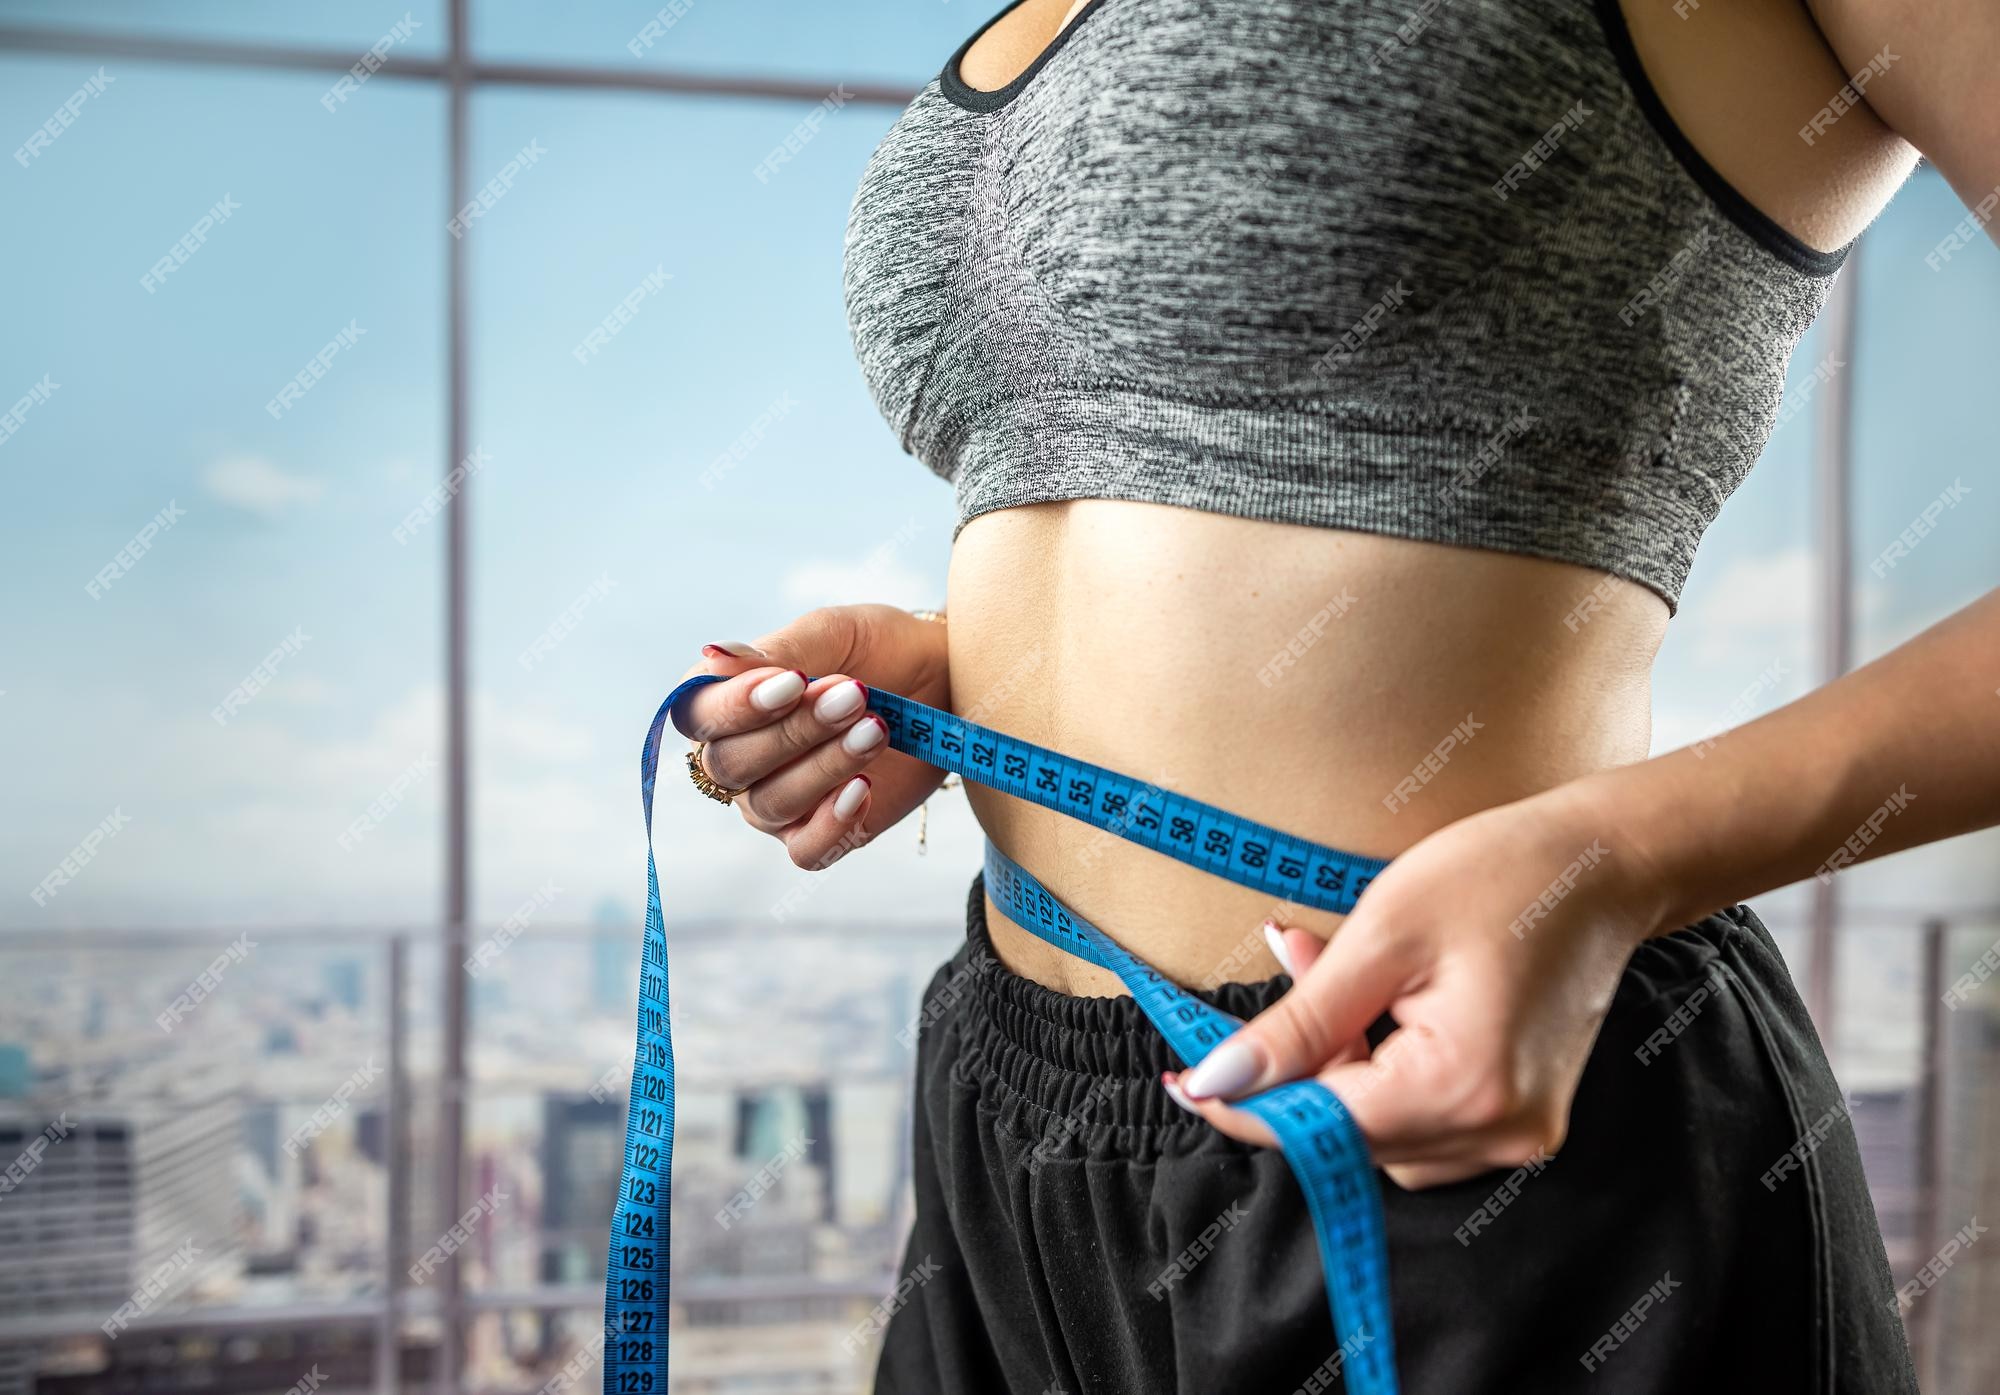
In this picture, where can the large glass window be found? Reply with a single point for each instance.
(650, 483)
(218, 649)
(1919, 1057)
(661, 380)
(1926, 486)
(226, 536)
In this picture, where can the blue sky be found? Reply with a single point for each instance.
(591, 482)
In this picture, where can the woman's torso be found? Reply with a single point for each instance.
(1350, 686)
(1353, 689)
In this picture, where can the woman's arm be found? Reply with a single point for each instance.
(1899, 753)
(1907, 750)
(1497, 942)
(1939, 87)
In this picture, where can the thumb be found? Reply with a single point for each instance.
(1352, 982)
(731, 657)
(818, 643)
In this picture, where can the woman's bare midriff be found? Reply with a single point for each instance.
(1354, 689)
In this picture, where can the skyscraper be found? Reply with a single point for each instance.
(583, 1143)
(121, 1185)
(344, 979)
(14, 1072)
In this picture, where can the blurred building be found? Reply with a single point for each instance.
(583, 1142)
(14, 1069)
(124, 1206)
(1885, 1122)
(1967, 1297)
(130, 1186)
(66, 1229)
(191, 1361)
(344, 980)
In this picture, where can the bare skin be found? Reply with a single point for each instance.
(1146, 636)
(1005, 51)
(1159, 628)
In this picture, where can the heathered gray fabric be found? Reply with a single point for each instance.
(1247, 256)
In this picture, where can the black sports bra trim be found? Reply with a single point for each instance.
(1776, 239)
(954, 87)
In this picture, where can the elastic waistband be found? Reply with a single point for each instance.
(1070, 1072)
(1078, 1074)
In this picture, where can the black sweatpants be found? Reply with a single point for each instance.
(1705, 1228)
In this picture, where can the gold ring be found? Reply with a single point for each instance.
(706, 782)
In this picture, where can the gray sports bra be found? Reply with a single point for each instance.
(1448, 273)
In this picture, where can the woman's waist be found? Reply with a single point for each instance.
(1356, 691)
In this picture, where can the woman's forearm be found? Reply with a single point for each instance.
(1901, 752)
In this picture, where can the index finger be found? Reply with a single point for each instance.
(750, 700)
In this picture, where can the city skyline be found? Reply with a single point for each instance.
(223, 697)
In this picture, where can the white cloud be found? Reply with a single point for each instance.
(527, 735)
(834, 583)
(242, 824)
(1765, 604)
(307, 690)
(255, 485)
(1746, 643)
(880, 575)
(1762, 602)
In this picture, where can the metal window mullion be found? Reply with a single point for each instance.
(396, 1202)
(451, 971)
(1833, 481)
(1924, 1328)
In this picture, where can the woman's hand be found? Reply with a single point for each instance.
(1496, 943)
(814, 765)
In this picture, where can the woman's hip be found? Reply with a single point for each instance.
(1706, 1221)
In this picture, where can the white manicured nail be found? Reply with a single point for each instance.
(1224, 1072)
(841, 700)
(778, 690)
(1275, 938)
(850, 797)
(864, 736)
(1174, 1093)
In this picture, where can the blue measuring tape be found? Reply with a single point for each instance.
(1317, 1135)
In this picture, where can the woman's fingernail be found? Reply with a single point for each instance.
(850, 797)
(1224, 1072)
(777, 691)
(865, 735)
(733, 649)
(841, 700)
(1275, 938)
(1175, 1093)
